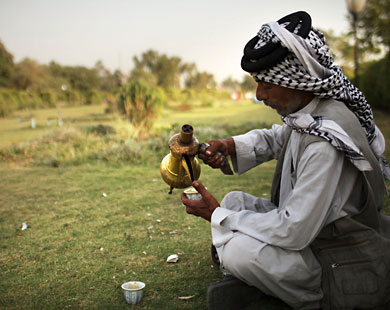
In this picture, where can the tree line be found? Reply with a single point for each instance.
(28, 84)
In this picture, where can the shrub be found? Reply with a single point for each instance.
(8, 103)
(375, 81)
(93, 97)
(141, 103)
(100, 130)
(49, 98)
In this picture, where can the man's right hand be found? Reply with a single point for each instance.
(224, 146)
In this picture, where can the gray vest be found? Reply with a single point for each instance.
(354, 251)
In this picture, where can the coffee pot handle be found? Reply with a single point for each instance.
(226, 169)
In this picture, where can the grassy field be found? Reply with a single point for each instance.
(95, 224)
(18, 129)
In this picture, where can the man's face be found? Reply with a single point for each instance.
(284, 100)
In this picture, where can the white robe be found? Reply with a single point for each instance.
(267, 247)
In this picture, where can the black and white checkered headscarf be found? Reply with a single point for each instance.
(293, 54)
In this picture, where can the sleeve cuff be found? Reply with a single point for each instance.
(220, 234)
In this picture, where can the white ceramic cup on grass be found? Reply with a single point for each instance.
(133, 291)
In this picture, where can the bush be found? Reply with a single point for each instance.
(100, 130)
(8, 103)
(48, 97)
(12, 99)
(141, 103)
(93, 97)
(375, 81)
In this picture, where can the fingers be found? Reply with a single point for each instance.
(187, 202)
(203, 207)
(207, 198)
(213, 148)
(190, 211)
(215, 161)
(200, 188)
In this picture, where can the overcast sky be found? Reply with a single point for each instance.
(210, 33)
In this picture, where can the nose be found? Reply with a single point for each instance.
(260, 92)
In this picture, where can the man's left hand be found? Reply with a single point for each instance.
(203, 207)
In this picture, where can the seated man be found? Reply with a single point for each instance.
(328, 187)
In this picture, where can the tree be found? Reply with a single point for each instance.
(157, 69)
(248, 84)
(29, 74)
(202, 80)
(107, 80)
(375, 24)
(189, 70)
(56, 78)
(77, 78)
(6, 67)
(375, 82)
(141, 103)
(119, 78)
(139, 73)
(81, 78)
(231, 85)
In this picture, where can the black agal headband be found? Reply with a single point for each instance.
(271, 53)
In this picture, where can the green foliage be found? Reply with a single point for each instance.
(375, 24)
(8, 102)
(100, 130)
(201, 80)
(81, 78)
(6, 67)
(72, 146)
(141, 103)
(49, 97)
(53, 84)
(12, 99)
(107, 81)
(92, 96)
(39, 86)
(231, 85)
(168, 72)
(375, 81)
(29, 75)
(248, 84)
(152, 66)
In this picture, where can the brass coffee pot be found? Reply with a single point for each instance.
(180, 167)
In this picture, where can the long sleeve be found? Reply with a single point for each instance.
(304, 211)
(257, 146)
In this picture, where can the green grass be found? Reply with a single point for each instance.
(231, 112)
(94, 223)
(18, 129)
(80, 245)
(13, 131)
